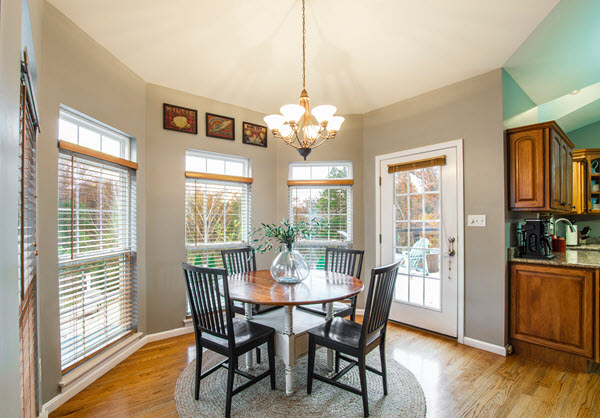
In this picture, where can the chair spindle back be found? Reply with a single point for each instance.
(208, 295)
(239, 260)
(379, 299)
(345, 261)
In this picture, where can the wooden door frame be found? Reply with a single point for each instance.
(458, 145)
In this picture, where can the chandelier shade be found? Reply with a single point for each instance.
(295, 125)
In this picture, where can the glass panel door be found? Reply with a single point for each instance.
(417, 231)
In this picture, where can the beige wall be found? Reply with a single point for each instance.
(10, 58)
(471, 110)
(78, 73)
(166, 194)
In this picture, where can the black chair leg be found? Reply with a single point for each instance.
(230, 375)
(271, 350)
(362, 371)
(257, 355)
(311, 364)
(198, 371)
(383, 365)
(337, 361)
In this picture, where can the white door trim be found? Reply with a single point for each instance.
(458, 145)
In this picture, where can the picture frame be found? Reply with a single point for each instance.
(254, 134)
(218, 126)
(180, 119)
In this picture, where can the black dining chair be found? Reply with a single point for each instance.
(216, 329)
(242, 260)
(346, 261)
(357, 340)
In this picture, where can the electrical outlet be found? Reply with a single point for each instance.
(476, 220)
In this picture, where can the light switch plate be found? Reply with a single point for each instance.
(476, 220)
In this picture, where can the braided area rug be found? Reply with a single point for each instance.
(405, 395)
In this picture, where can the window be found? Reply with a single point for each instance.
(86, 133)
(96, 240)
(321, 195)
(217, 206)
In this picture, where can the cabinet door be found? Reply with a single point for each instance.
(580, 195)
(556, 171)
(569, 179)
(553, 307)
(527, 169)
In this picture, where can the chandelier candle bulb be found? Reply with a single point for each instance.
(296, 127)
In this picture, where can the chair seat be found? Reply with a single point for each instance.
(340, 331)
(339, 309)
(246, 333)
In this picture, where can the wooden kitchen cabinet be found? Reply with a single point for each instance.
(586, 180)
(553, 308)
(540, 169)
(581, 194)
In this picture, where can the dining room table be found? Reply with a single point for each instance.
(291, 324)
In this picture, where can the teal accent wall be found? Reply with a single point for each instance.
(586, 137)
(514, 100)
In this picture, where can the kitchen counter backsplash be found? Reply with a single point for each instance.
(589, 258)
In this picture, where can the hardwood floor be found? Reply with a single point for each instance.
(457, 381)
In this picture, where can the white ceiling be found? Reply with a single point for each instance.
(361, 54)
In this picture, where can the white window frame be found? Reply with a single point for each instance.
(247, 201)
(99, 128)
(127, 147)
(305, 243)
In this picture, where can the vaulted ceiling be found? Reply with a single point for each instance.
(361, 54)
(562, 57)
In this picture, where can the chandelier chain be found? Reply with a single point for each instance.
(303, 45)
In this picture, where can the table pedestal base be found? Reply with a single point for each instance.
(291, 338)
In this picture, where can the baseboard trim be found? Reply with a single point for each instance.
(482, 345)
(106, 366)
(150, 338)
(360, 311)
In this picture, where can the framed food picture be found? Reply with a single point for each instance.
(254, 134)
(218, 126)
(181, 119)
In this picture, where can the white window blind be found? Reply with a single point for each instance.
(320, 195)
(218, 206)
(28, 247)
(96, 254)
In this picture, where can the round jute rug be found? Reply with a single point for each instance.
(405, 396)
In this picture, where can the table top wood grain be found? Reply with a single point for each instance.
(260, 288)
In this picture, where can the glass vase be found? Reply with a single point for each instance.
(289, 267)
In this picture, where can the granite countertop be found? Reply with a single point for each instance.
(585, 258)
(585, 247)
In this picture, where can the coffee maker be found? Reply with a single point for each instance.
(534, 239)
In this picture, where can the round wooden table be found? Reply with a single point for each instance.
(259, 287)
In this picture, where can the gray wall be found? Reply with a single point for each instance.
(166, 190)
(10, 58)
(472, 110)
(165, 198)
(81, 74)
(347, 146)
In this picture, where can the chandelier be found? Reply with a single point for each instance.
(295, 125)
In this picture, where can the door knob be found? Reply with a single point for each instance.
(451, 251)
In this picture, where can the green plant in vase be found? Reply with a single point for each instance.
(289, 266)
